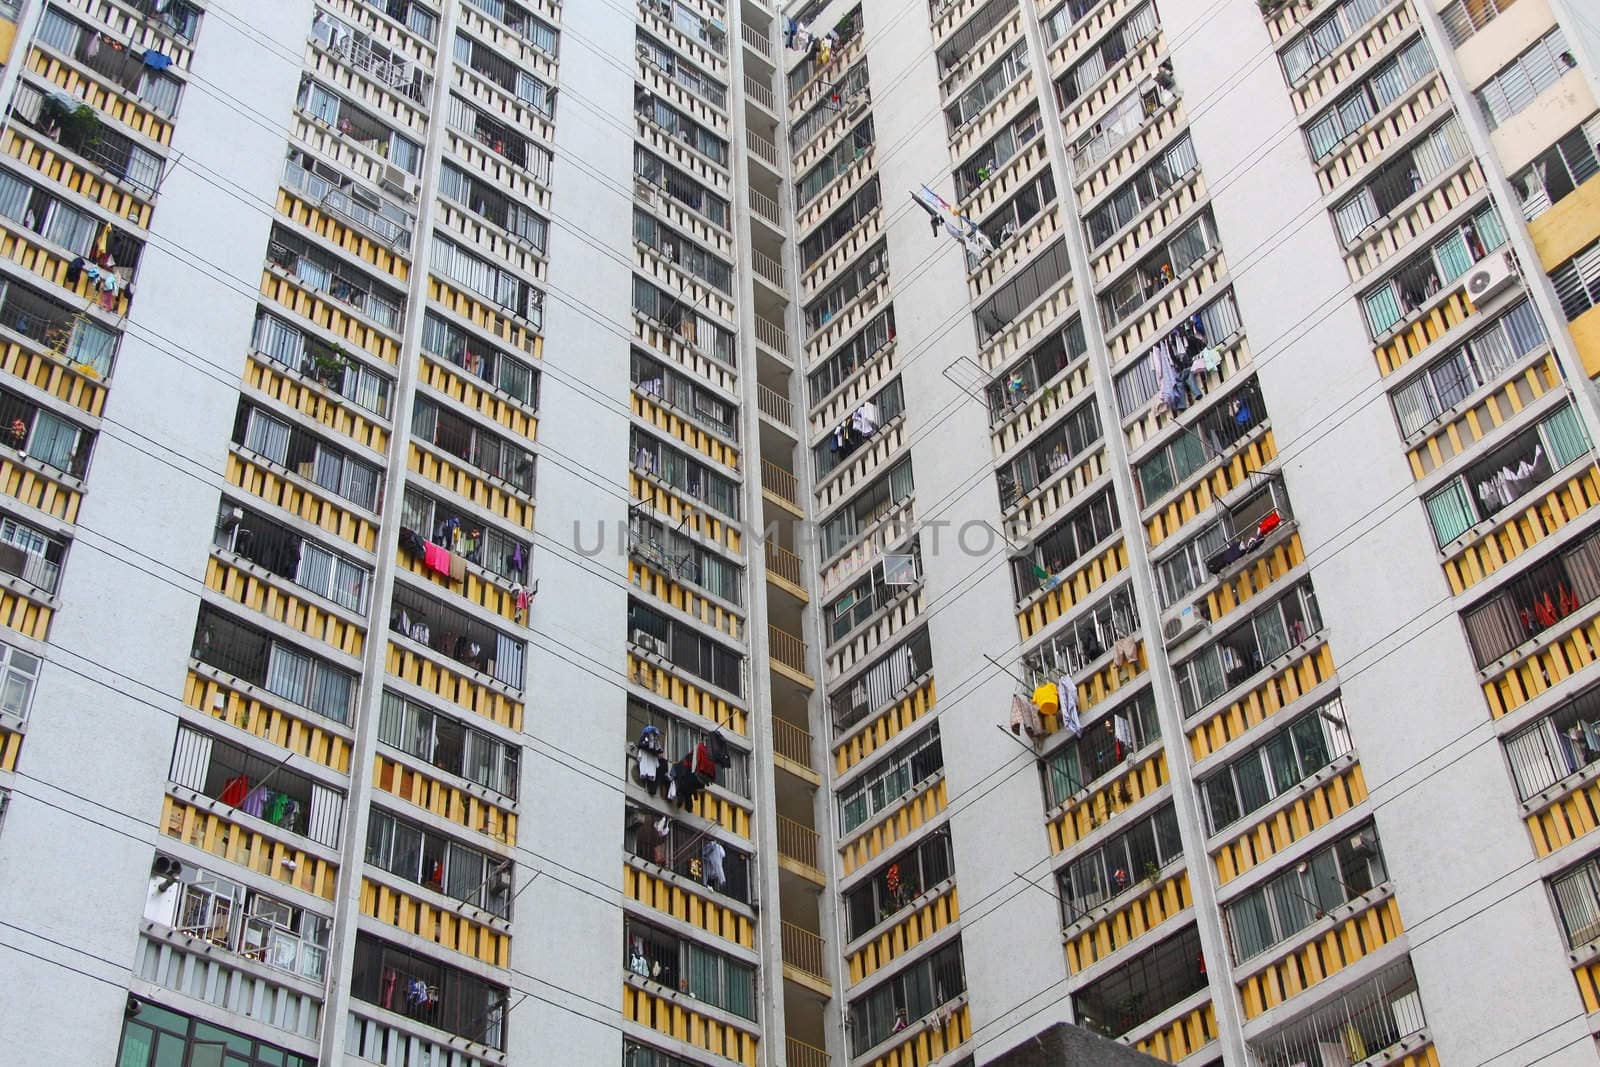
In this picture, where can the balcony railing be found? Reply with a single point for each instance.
(803, 950)
(775, 405)
(779, 482)
(766, 207)
(771, 334)
(787, 649)
(768, 268)
(800, 1054)
(756, 40)
(797, 842)
(762, 93)
(791, 742)
(783, 563)
(763, 148)
(1373, 1017)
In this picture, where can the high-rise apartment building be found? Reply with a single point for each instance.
(672, 532)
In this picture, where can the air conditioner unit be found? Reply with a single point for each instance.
(649, 642)
(1489, 276)
(396, 181)
(1182, 626)
(501, 882)
(644, 53)
(858, 105)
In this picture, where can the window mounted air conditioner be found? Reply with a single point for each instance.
(1183, 626)
(501, 882)
(1490, 276)
(395, 181)
(650, 643)
(858, 105)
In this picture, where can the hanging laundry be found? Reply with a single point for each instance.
(156, 60)
(1122, 730)
(1125, 653)
(457, 567)
(719, 749)
(1025, 717)
(436, 557)
(235, 790)
(712, 854)
(704, 765)
(256, 802)
(650, 748)
(1046, 699)
(1068, 689)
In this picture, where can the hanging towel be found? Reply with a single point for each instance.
(1046, 699)
(457, 566)
(1069, 710)
(437, 557)
(234, 792)
(712, 853)
(1025, 717)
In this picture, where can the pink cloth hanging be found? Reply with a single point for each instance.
(437, 557)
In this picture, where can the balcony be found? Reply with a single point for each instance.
(780, 485)
(763, 149)
(768, 269)
(803, 953)
(788, 652)
(458, 636)
(756, 41)
(760, 92)
(800, 1054)
(792, 745)
(1379, 1019)
(797, 849)
(772, 335)
(785, 567)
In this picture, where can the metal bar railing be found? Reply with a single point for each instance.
(779, 482)
(767, 267)
(791, 742)
(762, 93)
(774, 404)
(771, 334)
(761, 147)
(797, 841)
(803, 950)
(757, 40)
(787, 649)
(799, 1054)
(765, 206)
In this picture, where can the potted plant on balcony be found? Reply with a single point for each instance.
(329, 367)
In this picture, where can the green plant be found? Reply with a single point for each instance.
(1151, 871)
(329, 366)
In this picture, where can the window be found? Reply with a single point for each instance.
(250, 655)
(264, 789)
(66, 332)
(1534, 600)
(890, 675)
(686, 254)
(308, 355)
(102, 145)
(1449, 380)
(449, 744)
(1012, 388)
(1275, 766)
(1051, 453)
(1109, 51)
(1132, 857)
(888, 580)
(19, 673)
(1577, 895)
(1063, 18)
(371, 56)
(673, 313)
(1200, 442)
(1068, 541)
(484, 200)
(510, 292)
(1247, 648)
(1372, 1017)
(675, 125)
(686, 966)
(852, 520)
(1007, 220)
(684, 849)
(681, 738)
(677, 185)
(1463, 18)
(512, 376)
(1507, 474)
(913, 994)
(1159, 270)
(224, 913)
(29, 553)
(890, 402)
(896, 883)
(154, 1036)
(529, 26)
(853, 355)
(453, 433)
(685, 647)
(1292, 901)
(1049, 269)
(1406, 175)
(822, 114)
(507, 75)
(684, 395)
(888, 780)
(112, 59)
(1563, 741)
(1428, 273)
(430, 992)
(850, 148)
(466, 535)
(682, 71)
(672, 552)
(637, 1055)
(317, 270)
(1516, 85)
(1324, 35)
(1142, 987)
(843, 222)
(1577, 282)
(1119, 123)
(434, 861)
(1350, 113)
(688, 476)
(1558, 170)
(1211, 551)
(1004, 146)
(1140, 381)
(42, 435)
(1153, 182)
(501, 139)
(1086, 639)
(458, 636)
(1105, 743)
(279, 550)
(956, 47)
(360, 127)
(988, 87)
(62, 224)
